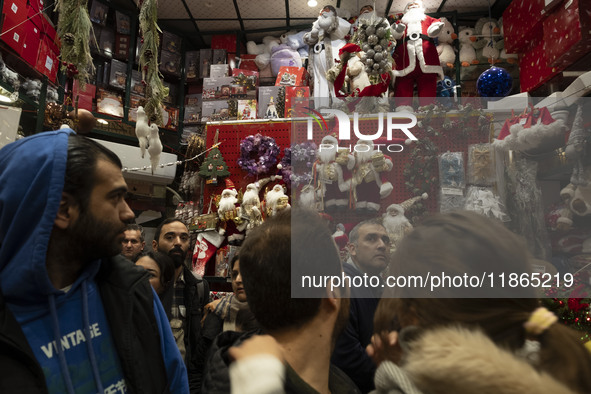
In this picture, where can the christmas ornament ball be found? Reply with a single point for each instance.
(373, 39)
(86, 121)
(494, 82)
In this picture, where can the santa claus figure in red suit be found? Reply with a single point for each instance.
(417, 62)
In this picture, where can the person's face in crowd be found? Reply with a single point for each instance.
(237, 286)
(98, 229)
(370, 252)
(152, 267)
(132, 244)
(173, 241)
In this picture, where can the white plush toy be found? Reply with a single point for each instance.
(32, 88)
(8, 75)
(511, 58)
(296, 42)
(487, 30)
(445, 49)
(52, 95)
(467, 51)
(262, 60)
(356, 74)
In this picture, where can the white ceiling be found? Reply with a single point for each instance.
(197, 20)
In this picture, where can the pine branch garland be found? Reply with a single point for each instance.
(74, 30)
(155, 89)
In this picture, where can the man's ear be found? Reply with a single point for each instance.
(67, 212)
(155, 245)
(351, 249)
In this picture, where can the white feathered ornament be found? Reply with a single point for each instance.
(142, 129)
(155, 148)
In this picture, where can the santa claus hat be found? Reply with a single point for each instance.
(349, 48)
(413, 2)
(330, 139)
(230, 184)
(409, 203)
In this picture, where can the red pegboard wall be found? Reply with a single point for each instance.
(449, 140)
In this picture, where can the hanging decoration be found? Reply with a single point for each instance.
(494, 82)
(258, 154)
(151, 77)
(74, 29)
(214, 166)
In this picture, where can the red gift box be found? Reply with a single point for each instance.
(15, 13)
(522, 24)
(292, 76)
(247, 62)
(228, 42)
(47, 61)
(533, 69)
(567, 33)
(85, 102)
(37, 5)
(296, 99)
(32, 38)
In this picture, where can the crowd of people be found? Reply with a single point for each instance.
(86, 307)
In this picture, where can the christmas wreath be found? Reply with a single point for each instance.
(258, 154)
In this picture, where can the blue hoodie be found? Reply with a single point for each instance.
(67, 330)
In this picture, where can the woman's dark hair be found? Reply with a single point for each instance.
(166, 266)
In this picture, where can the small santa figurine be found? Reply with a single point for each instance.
(229, 213)
(332, 189)
(416, 58)
(326, 39)
(251, 207)
(369, 178)
(276, 201)
(396, 224)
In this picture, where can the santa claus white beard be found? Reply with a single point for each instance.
(327, 155)
(394, 223)
(250, 198)
(227, 204)
(307, 198)
(364, 157)
(327, 21)
(413, 16)
(272, 197)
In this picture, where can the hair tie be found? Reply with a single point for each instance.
(539, 321)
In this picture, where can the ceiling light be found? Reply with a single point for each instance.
(312, 3)
(102, 121)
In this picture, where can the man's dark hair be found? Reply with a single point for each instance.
(83, 154)
(297, 237)
(136, 227)
(354, 233)
(164, 222)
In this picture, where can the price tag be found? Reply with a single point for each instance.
(452, 191)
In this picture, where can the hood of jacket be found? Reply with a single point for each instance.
(32, 172)
(462, 361)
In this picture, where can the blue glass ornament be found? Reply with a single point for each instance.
(494, 82)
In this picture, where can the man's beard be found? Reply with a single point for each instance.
(413, 15)
(96, 238)
(394, 223)
(365, 156)
(328, 23)
(177, 255)
(227, 204)
(327, 155)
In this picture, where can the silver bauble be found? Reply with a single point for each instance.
(370, 30)
(376, 66)
(378, 57)
(384, 42)
(369, 62)
(377, 48)
(381, 32)
(365, 47)
(370, 54)
(372, 40)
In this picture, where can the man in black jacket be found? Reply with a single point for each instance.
(185, 301)
(73, 318)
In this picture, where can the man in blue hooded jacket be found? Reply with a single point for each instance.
(74, 316)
